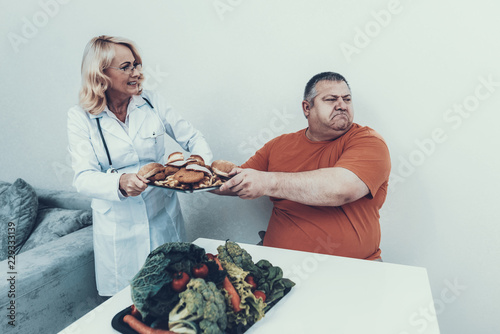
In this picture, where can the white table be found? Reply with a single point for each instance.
(333, 295)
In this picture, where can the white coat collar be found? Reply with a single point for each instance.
(136, 118)
(137, 114)
(137, 101)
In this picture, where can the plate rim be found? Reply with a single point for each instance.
(186, 191)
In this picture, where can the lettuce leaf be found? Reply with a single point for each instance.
(252, 309)
(150, 287)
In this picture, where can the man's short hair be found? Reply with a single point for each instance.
(310, 92)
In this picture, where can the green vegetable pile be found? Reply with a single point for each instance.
(165, 293)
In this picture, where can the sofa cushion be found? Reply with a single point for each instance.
(53, 223)
(3, 186)
(18, 210)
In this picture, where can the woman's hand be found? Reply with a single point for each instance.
(132, 184)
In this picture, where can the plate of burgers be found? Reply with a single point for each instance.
(187, 175)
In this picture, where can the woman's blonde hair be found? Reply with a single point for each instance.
(98, 55)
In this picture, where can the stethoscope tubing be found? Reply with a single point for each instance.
(111, 169)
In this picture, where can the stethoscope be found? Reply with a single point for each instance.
(111, 169)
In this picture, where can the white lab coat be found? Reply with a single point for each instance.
(126, 230)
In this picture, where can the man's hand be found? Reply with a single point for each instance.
(333, 186)
(132, 184)
(247, 183)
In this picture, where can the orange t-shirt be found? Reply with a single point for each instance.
(350, 230)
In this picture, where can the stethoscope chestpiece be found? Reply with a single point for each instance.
(111, 170)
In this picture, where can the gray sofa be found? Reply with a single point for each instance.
(51, 283)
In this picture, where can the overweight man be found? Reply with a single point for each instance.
(327, 182)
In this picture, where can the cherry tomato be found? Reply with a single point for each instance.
(260, 294)
(180, 281)
(249, 279)
(200, 270)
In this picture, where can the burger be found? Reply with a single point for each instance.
(153, 171)
(222, 168)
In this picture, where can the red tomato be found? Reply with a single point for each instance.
(249, 279)
(200, 270)
(180, 281)
(260, 294)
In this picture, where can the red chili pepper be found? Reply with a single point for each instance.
(141, 327)
(180, 281)
(249, 279)
(200, 270)
(260, 294)
(228, 286)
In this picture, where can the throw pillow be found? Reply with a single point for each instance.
(53, 223)
(18, 209)
(3, 186)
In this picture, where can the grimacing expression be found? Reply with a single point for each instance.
(123, 84)
(332, 112)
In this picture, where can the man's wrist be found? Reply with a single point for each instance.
(273, 183)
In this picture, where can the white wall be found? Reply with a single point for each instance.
(237, 69)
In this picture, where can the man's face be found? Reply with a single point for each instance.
(332, 113)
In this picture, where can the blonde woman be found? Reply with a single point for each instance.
(115, 130)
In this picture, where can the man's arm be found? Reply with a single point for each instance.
(332, 186)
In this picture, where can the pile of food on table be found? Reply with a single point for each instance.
(187, 174)
(182, 289)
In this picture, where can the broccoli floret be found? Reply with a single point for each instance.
(189, 308)
(211, 312)
(209, 327)
(232, 252)
(201, 306)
